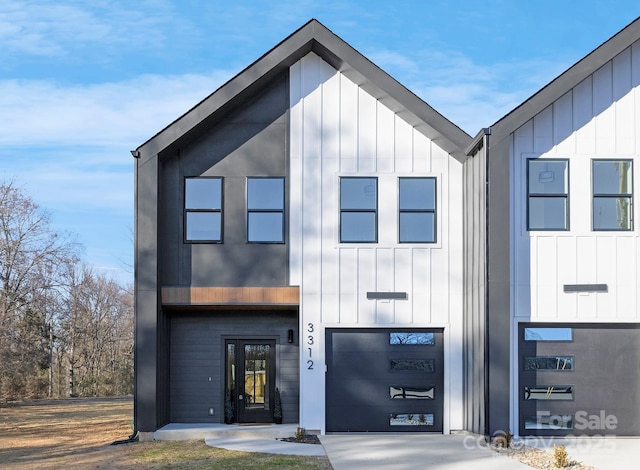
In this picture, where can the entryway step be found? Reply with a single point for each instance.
(193, 431)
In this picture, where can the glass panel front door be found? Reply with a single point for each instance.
(254, 380)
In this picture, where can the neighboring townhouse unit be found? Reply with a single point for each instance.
(313, 231)
(301, 229)
(563, 250)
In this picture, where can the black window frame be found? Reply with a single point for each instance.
(250, 211)
(565, 195)
(433, 211)
(188, 211)
(367, 211)
(595, 195)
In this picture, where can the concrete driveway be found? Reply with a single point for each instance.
(410, 451)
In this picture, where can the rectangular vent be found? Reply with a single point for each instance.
(586, 288)
(387, 295)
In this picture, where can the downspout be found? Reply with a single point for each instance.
(134, 432)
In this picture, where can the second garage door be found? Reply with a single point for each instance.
(382, 380)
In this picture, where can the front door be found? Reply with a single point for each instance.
(251, 378)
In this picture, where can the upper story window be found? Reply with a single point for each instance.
(203, 210)
(548, 194)
(358, 210)
(612, 194)
(265, 210)
(417, 210)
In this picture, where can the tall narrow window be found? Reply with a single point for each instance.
(203, 210)
(265, 210)
(358, 210)
(417, 210)
(612, 194)
(548, 194)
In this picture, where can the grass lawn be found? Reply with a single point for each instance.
(77, 433)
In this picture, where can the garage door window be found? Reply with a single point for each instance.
(407, 338)
(560, 363)
(422, 365)
(548, 334)
(397, 392)
(549, 392)
(411, 419)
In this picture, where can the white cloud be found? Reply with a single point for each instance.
(44, 28)
(470, 95)
(37, 112)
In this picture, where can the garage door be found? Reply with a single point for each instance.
(384, 380)
(579, 379)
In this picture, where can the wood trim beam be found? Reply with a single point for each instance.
(200, 296)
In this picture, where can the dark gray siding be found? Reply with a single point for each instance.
(248, 141)
(197, 354)
(498, 305)
(475, 292)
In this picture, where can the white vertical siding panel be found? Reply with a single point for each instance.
(635, 82)
(385, 145)
(295, 182)
(403, 267)
(567, 306)
(604, 113)
(422, 285)
(546, 277)
(564, 137)
(543, 130)
(523, 141)
(403, 145)
(311, 241)
(329, 191)
(606, 274)
(348, 263)
(312, 118)
(587, 274)
(421, 153)
(624, 103)
(348, 125)
(628, 282)
(385, 283)
(455, 246)
(583, 117)
(367, 119)
(521, 260)
(366, 282)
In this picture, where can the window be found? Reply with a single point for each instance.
(548, 334)
(612, 194)
(417, 210)
(203, 209)
(548, 194)
(265, 210)
(358, 210)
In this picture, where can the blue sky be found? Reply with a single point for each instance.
(83, 82)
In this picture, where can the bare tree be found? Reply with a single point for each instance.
(30, 256)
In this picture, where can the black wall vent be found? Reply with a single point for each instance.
(387, 295)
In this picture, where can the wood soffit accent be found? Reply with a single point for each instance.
(231, 296)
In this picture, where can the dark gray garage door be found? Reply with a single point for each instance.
(579, 379)
(384, 380)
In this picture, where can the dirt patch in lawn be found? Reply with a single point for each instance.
(76, 434)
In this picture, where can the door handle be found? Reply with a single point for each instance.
(240, 397)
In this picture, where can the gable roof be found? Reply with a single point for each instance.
(563, 83)
(314, 37)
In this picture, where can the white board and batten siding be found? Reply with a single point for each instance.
(338, 129)
(598, 119)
